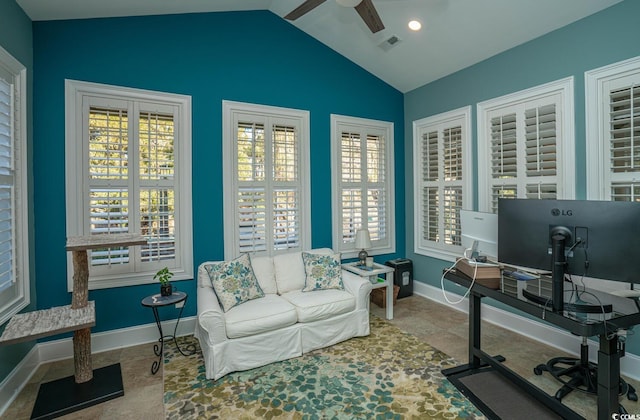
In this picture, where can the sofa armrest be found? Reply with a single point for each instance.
(210, 315)
(360, 287)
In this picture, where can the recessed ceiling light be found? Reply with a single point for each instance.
(414, 25)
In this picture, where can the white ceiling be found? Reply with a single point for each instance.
(455, 33)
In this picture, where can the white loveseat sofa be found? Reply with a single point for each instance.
(285, 323)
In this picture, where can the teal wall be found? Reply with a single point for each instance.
(254, 57)
(16, 38)
(604, 38)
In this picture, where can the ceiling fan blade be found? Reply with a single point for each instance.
(368, 13)
(304, 8)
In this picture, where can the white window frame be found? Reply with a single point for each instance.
(565, 146)
(363, 126)
(597, 126)
(17, 296)
(230, 109)
(77, 196)
(461, 117)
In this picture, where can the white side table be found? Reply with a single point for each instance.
(372, 274)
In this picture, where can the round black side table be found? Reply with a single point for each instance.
(154, 302)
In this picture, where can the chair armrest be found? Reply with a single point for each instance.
(360, 287)
(210, 315)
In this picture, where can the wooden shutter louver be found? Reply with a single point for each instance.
(252, 219)
(350, 157)
(7, 181)
(540, 141)
(452, 205)
(351, 199)
(157, 170)
(350, 176)
(431, 214)
(376, 190)
(503, 147)
(452, 154)
(286, 189)
(430, 161)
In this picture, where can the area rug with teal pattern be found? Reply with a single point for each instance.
(388, 375)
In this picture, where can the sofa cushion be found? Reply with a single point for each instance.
(322, 272)
(270, 313)
(289, 269)
(320, 304)
(234, 282)
(264, 272)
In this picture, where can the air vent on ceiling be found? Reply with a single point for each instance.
(390, 42)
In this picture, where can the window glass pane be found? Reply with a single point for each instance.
(350, 157)
(286, 225)
(430, 156)
(452, 205)
(376, 213)
(503, 147)
(452, 165)
(108, 143)
(285, 153)
(156, 146)
(251, 152)
(375, 159)
(109, 214)
(6, 128)
(540, 140)
(352, 204)
(157, 223)
(625, 129)
(6, 237)
(252, 219)
(431, 214)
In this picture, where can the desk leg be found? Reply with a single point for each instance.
(608, 377)
(390, 295)
(475, 303)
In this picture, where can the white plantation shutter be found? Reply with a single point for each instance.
(526, 138)
(131, 192)
(266, 208)
(7, 180)
(126, 149)
(362, 178)
(442, 177)
(612, 96)
(14, 227)
(624, 144)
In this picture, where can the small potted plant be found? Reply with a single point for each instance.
(163, 276)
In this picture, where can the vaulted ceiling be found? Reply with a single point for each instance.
(455, 33)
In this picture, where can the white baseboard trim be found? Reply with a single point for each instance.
(50, 351)
(543, 333)
(18, 378)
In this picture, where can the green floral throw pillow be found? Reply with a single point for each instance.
(234, 282)
(322, 272)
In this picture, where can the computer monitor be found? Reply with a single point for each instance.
(599, 239)
(479, 233)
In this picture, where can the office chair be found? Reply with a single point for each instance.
(579, 373)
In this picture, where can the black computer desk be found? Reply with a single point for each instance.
(609, 353)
